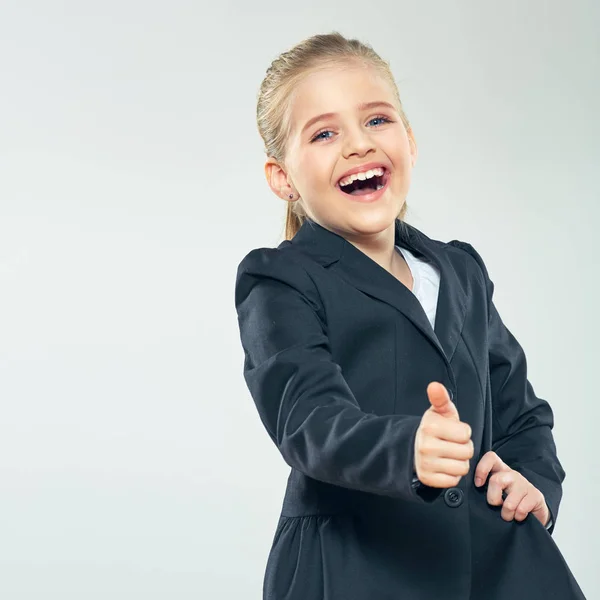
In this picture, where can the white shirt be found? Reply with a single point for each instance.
(426, 282)
(426, 286)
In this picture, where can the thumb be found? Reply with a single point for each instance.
(440, 400)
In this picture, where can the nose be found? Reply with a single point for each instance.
(357, 142)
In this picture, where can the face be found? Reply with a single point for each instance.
(361, 126)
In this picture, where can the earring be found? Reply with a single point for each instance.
(291, 196)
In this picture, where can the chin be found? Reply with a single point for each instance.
(377, 219)
(369, 224)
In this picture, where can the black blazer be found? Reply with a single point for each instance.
(338, 355)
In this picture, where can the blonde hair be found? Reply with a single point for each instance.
(272, 114)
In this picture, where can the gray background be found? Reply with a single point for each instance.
(132, 460)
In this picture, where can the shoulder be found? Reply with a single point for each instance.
(455, 250)
(275, 263)
(477, 265)
(472, 255)
(272, 271)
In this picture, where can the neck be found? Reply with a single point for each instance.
(379, 247)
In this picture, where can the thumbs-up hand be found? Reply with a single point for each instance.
(443, 445)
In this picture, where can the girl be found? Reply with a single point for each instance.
(423, 465)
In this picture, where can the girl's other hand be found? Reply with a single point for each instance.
(522, 497)
(443, 445)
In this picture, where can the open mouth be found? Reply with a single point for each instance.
(361, 187)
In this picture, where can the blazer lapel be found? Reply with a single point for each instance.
(452, 297)
(354, 266)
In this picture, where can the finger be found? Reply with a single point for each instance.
(440, 400)
(442, 428)
(535, 504)
(497, 483)
(542, 515)
(490, 462)
(447, 466)
(434, 446)
(512, 501)
(527, 504)
(439, 480)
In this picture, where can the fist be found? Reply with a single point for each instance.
(443, 445)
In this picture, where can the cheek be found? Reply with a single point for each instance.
(397, 148)
(316, 171)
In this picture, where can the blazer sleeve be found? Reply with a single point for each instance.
(521, 421)
(303, 400)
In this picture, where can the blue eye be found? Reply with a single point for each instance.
(378, 118)
(319, 134)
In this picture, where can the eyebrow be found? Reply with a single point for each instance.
(362, 106)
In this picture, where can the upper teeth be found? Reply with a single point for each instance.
(364, 175)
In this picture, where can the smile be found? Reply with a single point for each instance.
(365, 187)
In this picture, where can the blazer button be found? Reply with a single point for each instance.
(453, 497)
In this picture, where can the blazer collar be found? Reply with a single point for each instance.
(333, 251)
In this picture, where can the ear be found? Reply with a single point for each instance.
(413, 146)
(277, 179)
